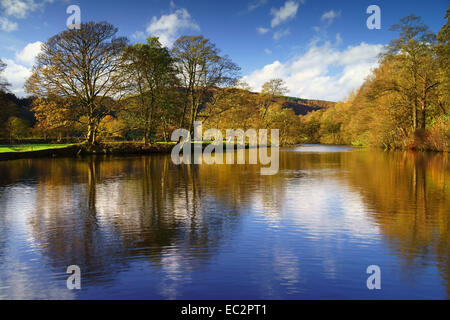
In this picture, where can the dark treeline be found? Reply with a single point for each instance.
(15, 115)
(92, 85)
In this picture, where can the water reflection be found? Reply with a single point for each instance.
(141, 227)
(410, 196)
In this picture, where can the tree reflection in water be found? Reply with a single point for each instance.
(107, 213)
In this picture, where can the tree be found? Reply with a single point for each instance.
(404, 102)
(443, 51)
(201, 68)
(3, 82)
(275, 87)
(271, 89)
(111, 127)
(285, 120)
(82, 66)
(232, 107)
(152, 77)
(413, 50)
(17, 128)
(53, 114)
(7, 109)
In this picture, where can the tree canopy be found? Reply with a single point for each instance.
(82, 66)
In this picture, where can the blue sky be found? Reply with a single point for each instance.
(322, 49)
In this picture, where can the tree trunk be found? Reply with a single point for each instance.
(414, 105)
(146, 137)
(424, 106)
(91, 136)
(164, 129)
(184, 111)
(152, 112)
(424, 117)
(192, 115)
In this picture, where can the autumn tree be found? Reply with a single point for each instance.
(402, 104)
(413, 66)
(285, 120)
(443, 51)
(17, 128)
(82, 66)
(201, 68)
(152, 78)
(233, 107)
(270, 90)
(111, 127)
(54, 115)
(274, 87)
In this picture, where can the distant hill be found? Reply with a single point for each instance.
(299, 105)
(304, 106)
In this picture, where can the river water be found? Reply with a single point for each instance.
(140, 227)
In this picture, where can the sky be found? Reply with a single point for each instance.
(323, 49)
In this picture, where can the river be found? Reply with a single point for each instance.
(140, 227)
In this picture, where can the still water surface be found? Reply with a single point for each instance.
(142, 228)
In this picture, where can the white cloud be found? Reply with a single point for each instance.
(18, 8)
(262, 30)
(7, 25)
(338, 39)
(29, 53)
(268, 51)
(18, 71)
(329, 16)
(286, 12)
(280, 34)
(138, 35)
(167, 27)
(21, 8)
(323, 72)
(16, 75)
(256, 4)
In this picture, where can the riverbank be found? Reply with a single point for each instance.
(50, 152)
(82, 149)
(111, 148)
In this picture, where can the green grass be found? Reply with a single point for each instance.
(31, 147)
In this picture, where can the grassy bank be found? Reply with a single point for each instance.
(32, 147)
(12, 152)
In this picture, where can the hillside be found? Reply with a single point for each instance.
(299, 105)
(304, 106)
